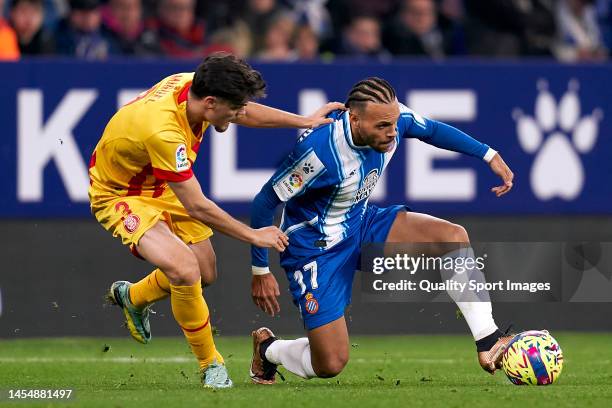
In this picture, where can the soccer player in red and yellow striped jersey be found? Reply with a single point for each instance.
(143, 190)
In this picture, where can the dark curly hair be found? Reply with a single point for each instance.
(225, 76)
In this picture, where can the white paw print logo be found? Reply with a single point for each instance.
(557, 135)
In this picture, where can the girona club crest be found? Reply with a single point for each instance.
(131, 223)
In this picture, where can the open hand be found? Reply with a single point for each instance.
(318, 118)
(264, 290)
(500, 168)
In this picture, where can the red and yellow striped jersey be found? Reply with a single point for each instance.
(147, 143)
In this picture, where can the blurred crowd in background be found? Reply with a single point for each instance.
(307, 30)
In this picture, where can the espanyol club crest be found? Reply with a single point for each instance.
(131, 223)
(311, 304)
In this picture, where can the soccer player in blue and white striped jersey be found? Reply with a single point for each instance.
(325, 183)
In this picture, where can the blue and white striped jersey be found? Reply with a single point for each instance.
(326, 180)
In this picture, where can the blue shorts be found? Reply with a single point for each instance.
(321, 287)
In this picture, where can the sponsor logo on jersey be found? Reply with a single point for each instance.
(311, 305)
(182, 162)
(131, 223)
(368, 186)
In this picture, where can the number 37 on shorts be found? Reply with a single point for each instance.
(306, 280)
(322, 288)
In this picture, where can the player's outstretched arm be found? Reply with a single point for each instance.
(447, 137)
(262, 116)
(201, 208)
(451, 138)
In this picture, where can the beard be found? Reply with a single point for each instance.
(384, 148)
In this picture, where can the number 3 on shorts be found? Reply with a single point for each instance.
(299, 276)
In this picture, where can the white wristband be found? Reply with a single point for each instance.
(489, 155)
(260, 270)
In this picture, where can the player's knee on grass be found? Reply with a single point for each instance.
(330, 366)
(184, 270)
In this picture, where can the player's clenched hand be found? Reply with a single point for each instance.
(270, 237)
(264, 289)
(318, 118)
(500, 168)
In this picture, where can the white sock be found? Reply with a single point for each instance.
(478, 314)
(294, 355)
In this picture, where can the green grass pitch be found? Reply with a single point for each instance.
(385, 371)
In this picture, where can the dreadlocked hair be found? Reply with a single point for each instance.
(373, 89)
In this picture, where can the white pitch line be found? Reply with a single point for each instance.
(120, 360)
(405, 360)
(180, 360)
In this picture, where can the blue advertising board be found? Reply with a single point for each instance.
(552, 124)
